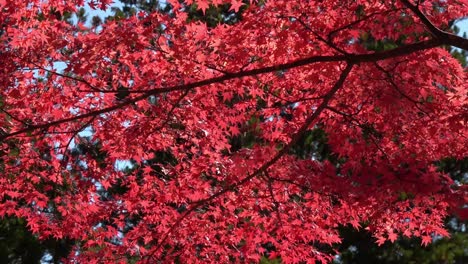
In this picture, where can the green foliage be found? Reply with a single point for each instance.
(215, 15)
(458, 54)
(313, 144)
(458, 169)
(81, 15)
(265, 260)
(19, 245)
(360, 247)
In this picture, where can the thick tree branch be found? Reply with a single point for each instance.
(445, 37)
(449, 39)
(441, 38)
(432, 28)
(358, 58)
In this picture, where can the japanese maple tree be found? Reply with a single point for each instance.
(172, 94)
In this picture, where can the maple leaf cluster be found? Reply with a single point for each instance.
(160, 85)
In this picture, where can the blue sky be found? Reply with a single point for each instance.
(463, 24)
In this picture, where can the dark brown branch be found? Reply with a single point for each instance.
(14, 117)
(449, 39)
(75, 133)
(436, 32)
(445, 37)
(276, 204)
(359, 58)
(92, 87)
(332, 33)
(358, 123)
(171, 111)
(328, 41)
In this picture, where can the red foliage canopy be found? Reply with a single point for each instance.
(388, 116)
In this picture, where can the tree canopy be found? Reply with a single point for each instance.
(231, 131)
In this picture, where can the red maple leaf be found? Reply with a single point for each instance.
(203, 5)
(236, 5)
(426, 240)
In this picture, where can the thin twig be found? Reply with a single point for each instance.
(389, 79)
(75, 133)
(171, 111)
(360, 125)
(328, 42)
(14, 117)
(276, 204)
(93, 88)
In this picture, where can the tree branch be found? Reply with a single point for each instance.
(435, 31)
(14, 117)
(443, 36)
(332, 33)
(92, 87)
(351, 58)
(276, 204)
(328, 41)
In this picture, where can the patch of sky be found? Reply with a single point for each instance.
(463, 25)
(126, 124)
(123, 165)
(90, 12)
